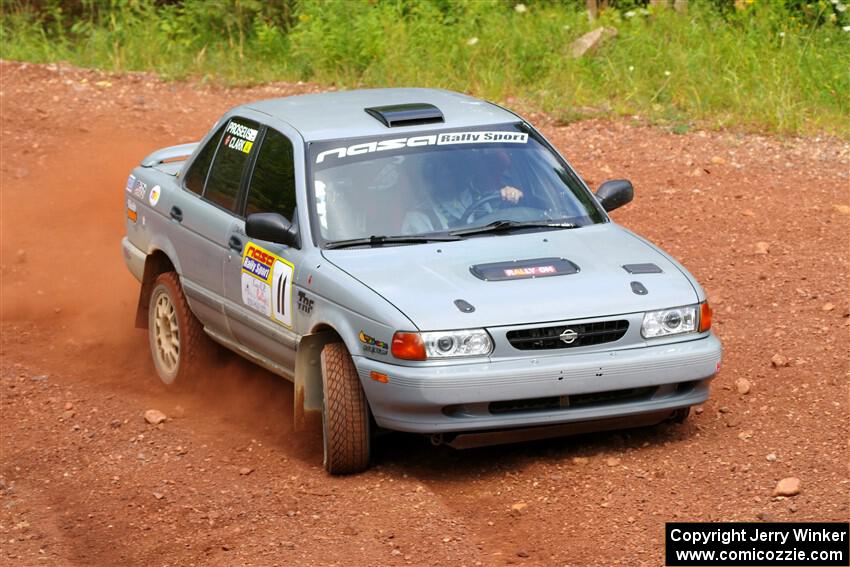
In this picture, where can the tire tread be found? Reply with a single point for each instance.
(346, 412)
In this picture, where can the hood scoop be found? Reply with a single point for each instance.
(524, 269)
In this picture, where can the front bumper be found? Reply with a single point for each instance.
(541, 390)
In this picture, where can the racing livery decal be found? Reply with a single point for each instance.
(239, 137)
(267, 283)
(521, 269)
(426, 140)
(153, 196)
(373, 345)
(139, 189)
(305, 304)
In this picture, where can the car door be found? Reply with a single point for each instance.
(260, 282)
(206, 212)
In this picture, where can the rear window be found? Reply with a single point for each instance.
(197, 173)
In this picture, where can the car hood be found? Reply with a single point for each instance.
(425, 280)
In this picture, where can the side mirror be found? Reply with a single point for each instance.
(615, 193)
(273, 228)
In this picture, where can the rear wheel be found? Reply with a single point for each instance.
(346, 432)
(176, 337)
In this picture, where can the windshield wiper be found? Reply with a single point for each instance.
(509, 225)
(380, 240)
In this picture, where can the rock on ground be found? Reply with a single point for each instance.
(787, 487)
(155, 417)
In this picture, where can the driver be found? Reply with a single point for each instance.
(491, 182)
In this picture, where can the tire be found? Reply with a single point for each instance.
(346, 435)
(177, 339)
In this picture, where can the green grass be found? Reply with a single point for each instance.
(768, 67)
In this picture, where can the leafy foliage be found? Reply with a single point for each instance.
(775, 64)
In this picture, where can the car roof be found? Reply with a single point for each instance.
(341, 114)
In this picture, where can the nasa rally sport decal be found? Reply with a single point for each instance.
(267, 284)
(441, 139)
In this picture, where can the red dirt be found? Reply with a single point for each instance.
(85, 481)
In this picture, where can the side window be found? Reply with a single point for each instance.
(226, 171)
(197, 174)
(273, 181)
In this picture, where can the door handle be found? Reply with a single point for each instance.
(176, 213)
(235, 244)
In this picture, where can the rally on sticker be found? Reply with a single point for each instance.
(530, 271)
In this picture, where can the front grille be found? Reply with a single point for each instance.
(586, 334)
(576, 400)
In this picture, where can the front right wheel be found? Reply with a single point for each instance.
(346, 435)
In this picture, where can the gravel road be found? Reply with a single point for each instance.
(762, 222)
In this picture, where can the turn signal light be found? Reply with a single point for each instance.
(408, 346)
(704, 317)
(379, 377)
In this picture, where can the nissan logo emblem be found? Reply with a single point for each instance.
(569, 336)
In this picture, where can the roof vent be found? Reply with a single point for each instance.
(406, 114)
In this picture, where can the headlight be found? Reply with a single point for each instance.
(445, 344)
(667, 322)
(441, 344)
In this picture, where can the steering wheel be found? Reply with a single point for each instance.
(466, 217)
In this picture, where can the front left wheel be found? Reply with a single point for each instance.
(346, 430)
(177, 339)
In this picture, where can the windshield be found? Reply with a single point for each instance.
(444, 182)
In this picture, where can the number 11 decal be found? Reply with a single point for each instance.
(282, 292)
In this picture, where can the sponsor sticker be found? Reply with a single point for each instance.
(256, 295)
(139, 189)
(530, 271)
(153, 196)
(522, 269)
(444, 139)
(131, 182)
(305, 304)
(371, 344)
(267, 283)
(256, 268)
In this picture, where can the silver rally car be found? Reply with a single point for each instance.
(415, 260)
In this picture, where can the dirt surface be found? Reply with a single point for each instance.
(84, 480)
